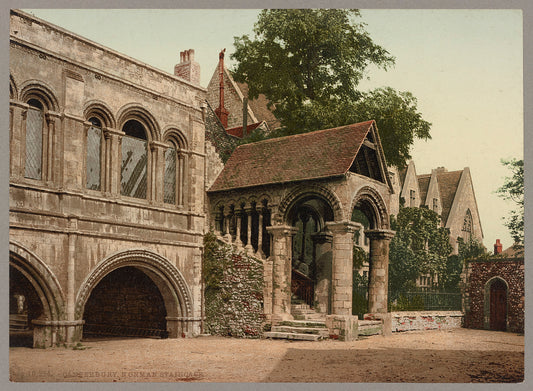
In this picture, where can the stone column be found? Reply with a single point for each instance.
(158, 171)
(114, 161)
(249, 248)
(341, 266)
(259, 252)
(227, 220)
(322, 253)
(379, 269)
(281, 271)
(219, 223)
(238, 241)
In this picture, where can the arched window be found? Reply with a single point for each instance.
(94, 154)
(34, 140)
(171, 172)
(467, 226)
(134, 160)
(174, 177)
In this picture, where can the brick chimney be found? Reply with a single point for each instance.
(188, 69)
(497, 247)
(221, 111)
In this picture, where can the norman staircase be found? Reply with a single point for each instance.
(308, 325)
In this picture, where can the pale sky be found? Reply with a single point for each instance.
(463, 66)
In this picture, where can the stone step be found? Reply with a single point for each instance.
(370, 327)
(292, 336)
(324, 332)
(314, 317)
(303, 323)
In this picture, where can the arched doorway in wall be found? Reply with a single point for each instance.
(498, 305)
(126, 302)
(34, 295)
(24, 306)
(135, 293)
(311, 252)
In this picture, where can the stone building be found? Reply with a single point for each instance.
(494, 296)
(231, 99)
(107, 209)
(304, 191)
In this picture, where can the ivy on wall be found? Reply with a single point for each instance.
(233, 290)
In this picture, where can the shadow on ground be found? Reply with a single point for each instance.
(399, 365)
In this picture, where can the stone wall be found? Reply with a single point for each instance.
(477, 290)
(426, 320)
(233, 291)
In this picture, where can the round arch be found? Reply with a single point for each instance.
(137, 112)
(302, 192)
(370, 201)
(168, 279)
(488, 321)
(102, 111)
(13, 91)
(175, 135)
(35, 89)
(41, 278)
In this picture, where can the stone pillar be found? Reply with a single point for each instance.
(322, 254)
(158, 171)
(281, 271)
(379, 269)
(227, 219)
(114, 161)
(341, 266)
(249, 249)
(238, 241)
(219, 223)
(259, 252)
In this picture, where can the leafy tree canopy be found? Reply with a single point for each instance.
(309, 62)
(513, 189)
(420, 245)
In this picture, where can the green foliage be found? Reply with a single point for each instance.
(513, 189)
(309, 62)
(403, 303)
(419, 246)
(359, 257)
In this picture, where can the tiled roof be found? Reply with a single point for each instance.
(423, 185)
(401, 175)
(260, 108)
(237, 131)
(319, 154)
(448, 182)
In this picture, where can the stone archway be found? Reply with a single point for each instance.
(37, 303)
(175, 294)
(496, 304)
(369, 211)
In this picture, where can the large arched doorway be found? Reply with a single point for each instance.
(135, 293)
(35, 301)
(24, 306)
(498, 305)
(311, 252)
(126, 302)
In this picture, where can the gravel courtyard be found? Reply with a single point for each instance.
(460, 355)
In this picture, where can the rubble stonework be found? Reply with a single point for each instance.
(234, 291)
(479, 274)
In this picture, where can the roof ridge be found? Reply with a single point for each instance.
(304, 134)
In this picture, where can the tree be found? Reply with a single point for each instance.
(309, 62)
(513, 189)
(420, 246)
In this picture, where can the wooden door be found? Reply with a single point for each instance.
(498, 306)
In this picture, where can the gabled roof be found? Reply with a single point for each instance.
(313, 155)
(448, 183)
(423, 185)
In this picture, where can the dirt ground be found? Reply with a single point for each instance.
(459, 356)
